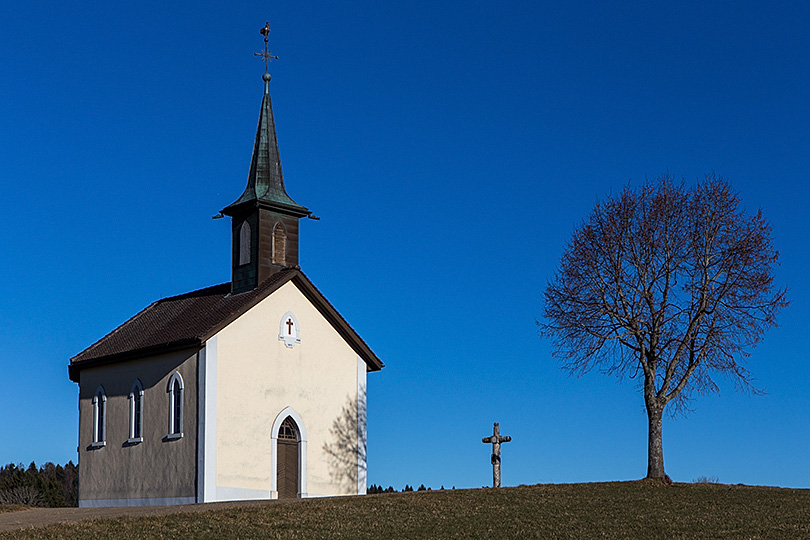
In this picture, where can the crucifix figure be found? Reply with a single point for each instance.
(496, 441)
(289, 324)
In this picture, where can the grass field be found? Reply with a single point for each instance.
(631, 510)
(10, 508)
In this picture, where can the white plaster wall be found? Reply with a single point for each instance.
(258, 377)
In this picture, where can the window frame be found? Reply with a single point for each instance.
(175, 411)
(99, 402)
(136, 413)
(279, 245)
(245, 240)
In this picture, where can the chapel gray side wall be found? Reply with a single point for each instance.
(159, 468)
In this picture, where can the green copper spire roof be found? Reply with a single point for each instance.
(265, 185)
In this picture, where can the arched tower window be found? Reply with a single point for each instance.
(175, 391)
(136, 412)
(279, 245)
(244, 243)
(99, 417)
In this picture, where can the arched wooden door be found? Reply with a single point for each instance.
(287, 462)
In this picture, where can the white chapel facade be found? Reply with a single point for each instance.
(232, 392)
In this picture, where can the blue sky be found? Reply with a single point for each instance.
(450, 149)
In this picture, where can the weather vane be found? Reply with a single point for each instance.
(266, 56)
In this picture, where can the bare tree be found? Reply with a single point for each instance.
(24, 495)
(347, 448)
(673, 283)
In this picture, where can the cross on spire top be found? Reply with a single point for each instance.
(266, 56)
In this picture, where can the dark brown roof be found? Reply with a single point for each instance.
(187, 320)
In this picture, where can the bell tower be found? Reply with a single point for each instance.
(264, 220)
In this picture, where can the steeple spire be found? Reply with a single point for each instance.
(265, 183)
(264, 217)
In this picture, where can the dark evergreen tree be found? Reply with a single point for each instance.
(49, 485)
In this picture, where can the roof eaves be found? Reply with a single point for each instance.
(74, 368)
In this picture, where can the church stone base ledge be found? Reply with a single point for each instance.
(145, 501)
(274, 495)
(241, 494)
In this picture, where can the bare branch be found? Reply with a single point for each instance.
(676, 283)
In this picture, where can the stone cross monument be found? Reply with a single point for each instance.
(496, 441)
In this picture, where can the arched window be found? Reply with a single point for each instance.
(288, 431)
(175, 391)
(136, 412)
(279, 245)
(244, 243)
(99, 417)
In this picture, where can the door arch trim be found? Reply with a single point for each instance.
(302, 452)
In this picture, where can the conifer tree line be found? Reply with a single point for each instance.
(374, 489)
(48, 485)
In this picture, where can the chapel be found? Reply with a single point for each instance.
(233, 392)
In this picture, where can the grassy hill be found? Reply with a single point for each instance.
(642, 510)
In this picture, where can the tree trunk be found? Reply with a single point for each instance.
(655, 446)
